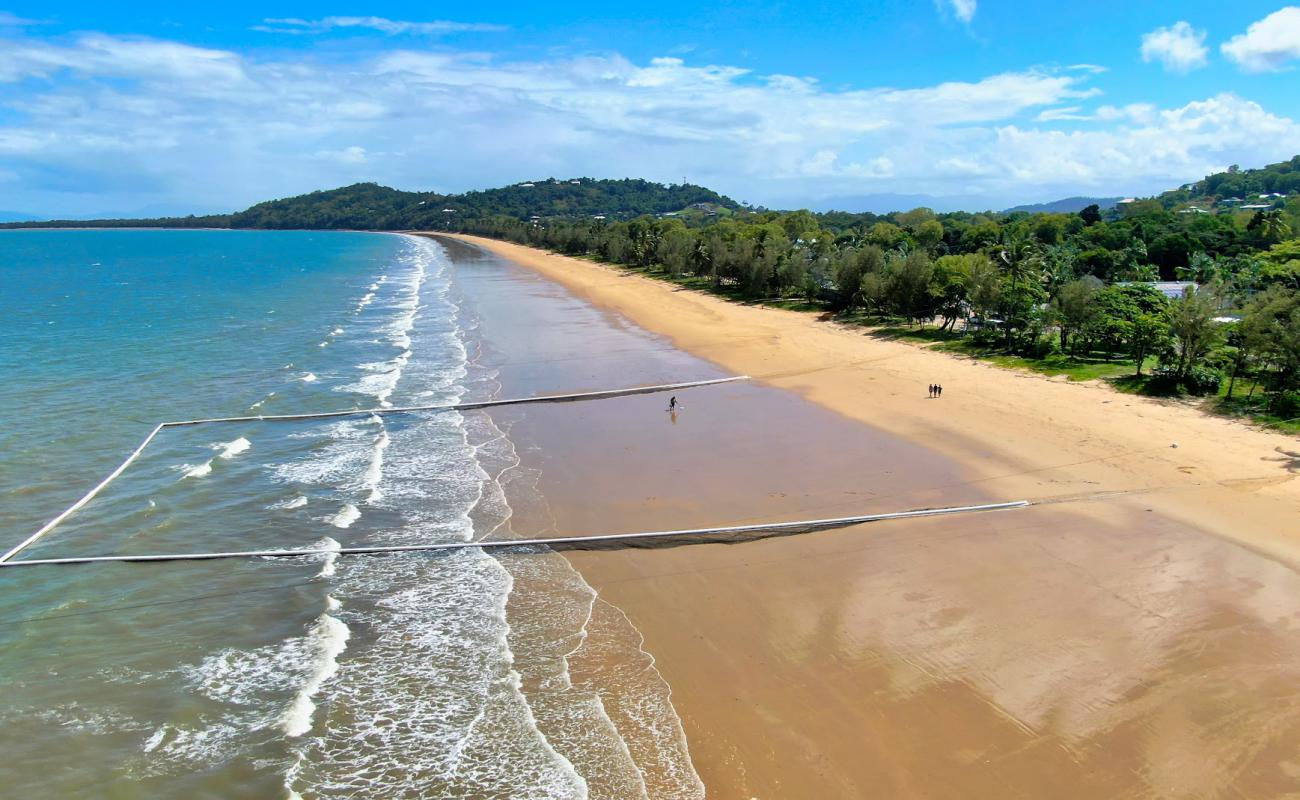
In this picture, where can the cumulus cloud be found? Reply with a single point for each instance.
(1179, 47)
(392, 27)
(1269, 44)
(98, 121)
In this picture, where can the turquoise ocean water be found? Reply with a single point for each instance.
(317, 677)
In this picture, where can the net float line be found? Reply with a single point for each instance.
(553, 398)
(602, 541)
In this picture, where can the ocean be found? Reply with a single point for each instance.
(416, 675)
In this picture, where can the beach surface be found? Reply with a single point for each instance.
(1136, 633)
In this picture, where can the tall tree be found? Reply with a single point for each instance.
(1191, 321)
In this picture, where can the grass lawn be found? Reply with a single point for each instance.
(1073, 367)
(1119, 373)
(1255, 408)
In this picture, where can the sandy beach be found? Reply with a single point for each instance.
(1132, 635)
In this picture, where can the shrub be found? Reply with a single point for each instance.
(1285, 404)
(987, 337)
(1202, 380)
(1042, 348)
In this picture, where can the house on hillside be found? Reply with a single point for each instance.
(1170, 289)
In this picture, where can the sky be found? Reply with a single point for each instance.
(153, 108)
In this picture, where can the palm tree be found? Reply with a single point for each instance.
(1023, 263)
(1272, 227)
(1023, 260)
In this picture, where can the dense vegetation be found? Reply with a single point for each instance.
(1282, 178)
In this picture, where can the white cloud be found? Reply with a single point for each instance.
(97, 55)
(963, 10)
(391, 27)
(1179, 47)
(104, 122)
(1189, 141)
(1267, 45)
(1062, 113)
(348, 155)
(9, 20)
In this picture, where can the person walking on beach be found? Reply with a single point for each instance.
(932, 391)
(672, 403)
(938, 390)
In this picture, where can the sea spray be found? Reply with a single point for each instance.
(328, 564)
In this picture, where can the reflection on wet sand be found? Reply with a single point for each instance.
(1089, 649)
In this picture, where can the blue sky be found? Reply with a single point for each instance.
(165, 107)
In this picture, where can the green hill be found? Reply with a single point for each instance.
(369, 206)
(373, 207)
(1282, 178)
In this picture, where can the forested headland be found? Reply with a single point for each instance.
(371, 207)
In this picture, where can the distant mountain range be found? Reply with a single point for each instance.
(1069, 205)
(889, 202)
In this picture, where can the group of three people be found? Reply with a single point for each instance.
(936, 390)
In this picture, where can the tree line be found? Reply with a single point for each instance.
(1080, 285)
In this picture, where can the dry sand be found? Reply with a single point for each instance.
(1139, 636)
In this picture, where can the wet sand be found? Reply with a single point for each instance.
(1140, 639)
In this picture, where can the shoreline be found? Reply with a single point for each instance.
(1021, 435)
(1104, 642)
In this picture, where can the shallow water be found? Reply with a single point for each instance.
(318, 677)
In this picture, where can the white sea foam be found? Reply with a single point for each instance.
(155, 739)
(307, 377)
(338, 459)
(327, 640)
(259, 403)
(197, 471)
(435, 682)
(294, 502)
(375, 471)
(232, 449)
(336, 332)
(328, 564)
(346, 516)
